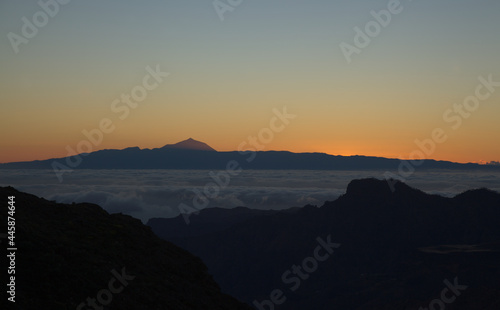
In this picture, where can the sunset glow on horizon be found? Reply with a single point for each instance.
(163, 72)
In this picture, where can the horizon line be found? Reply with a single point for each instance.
(480, 162)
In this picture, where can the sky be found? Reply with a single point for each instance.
(378, 78)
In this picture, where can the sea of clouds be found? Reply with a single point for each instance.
(158, 193)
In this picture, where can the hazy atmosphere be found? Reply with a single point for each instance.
(158, 193)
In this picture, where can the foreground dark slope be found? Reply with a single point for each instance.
(66, 254)
(397, 249)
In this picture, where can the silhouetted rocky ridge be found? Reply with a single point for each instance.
(70, 256)
(398, 250)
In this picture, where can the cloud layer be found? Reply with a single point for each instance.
(158, 193)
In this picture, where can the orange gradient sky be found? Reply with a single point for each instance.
(226, 77)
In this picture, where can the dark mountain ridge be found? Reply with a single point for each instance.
(68, 253)
(192, 154)
(211, 220)
(190, 144)
(396, 249)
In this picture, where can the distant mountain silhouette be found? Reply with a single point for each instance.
(192, 154)
(396, 249)
(67, 253)
(189, 144)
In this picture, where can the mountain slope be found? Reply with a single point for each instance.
(68, 253)
(209, 220)
(396, 250)
(190, 144)
(191, 154)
